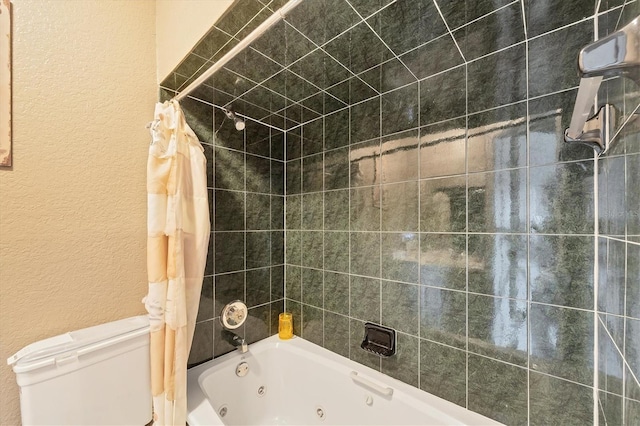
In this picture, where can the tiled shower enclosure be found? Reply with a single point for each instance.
(403, 163)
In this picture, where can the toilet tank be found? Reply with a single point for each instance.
(95, 376)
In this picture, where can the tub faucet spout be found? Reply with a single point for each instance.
(240, 343)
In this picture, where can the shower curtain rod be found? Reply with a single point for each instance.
(253, 35)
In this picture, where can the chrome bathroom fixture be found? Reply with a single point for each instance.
(233, 315)
(617, 54)
(232, 116)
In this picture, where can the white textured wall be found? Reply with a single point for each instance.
(180, 25)
(72, 209)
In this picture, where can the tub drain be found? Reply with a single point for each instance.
(320, 413)
(262, 391)
(222, 411)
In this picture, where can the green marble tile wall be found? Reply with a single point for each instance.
(246, 250)
(428, 188)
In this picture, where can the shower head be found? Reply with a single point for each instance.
(239, 123)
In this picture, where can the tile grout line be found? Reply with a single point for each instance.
(450, 33)
(596, 272)
(383, 42)
(528, 201)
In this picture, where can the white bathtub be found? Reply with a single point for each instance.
(295, 382)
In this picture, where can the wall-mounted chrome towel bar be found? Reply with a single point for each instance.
(614, 55)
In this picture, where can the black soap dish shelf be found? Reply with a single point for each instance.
(379, 340)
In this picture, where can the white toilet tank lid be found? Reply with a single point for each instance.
(44, 352)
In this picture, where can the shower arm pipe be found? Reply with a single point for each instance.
(253, 35)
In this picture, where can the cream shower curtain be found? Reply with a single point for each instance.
(177, 241)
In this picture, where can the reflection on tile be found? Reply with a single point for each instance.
(336, 333)
(633, 278)
(336, 210)
(492, 32)
(400, 207)
(336, 251)
(498, 201)
(443, 204)
(566, 278)
(404, 364)
(552, 58)
(312, 211)
(229, 251)
(202, 348)
(400, 109)
(443, 260)
(356, 353)
(611, 276)
(336, 168)
(312, 325)
(433, 57)
(561, 342)
(312, 249)
(498, 390)
(497, 79)
(561, 198)
(443, 96)
(400, 257)
(365, 299)
(365, 164)
(399, 305)
(365, 208)
(205, 307)
(550, 115)
(258, 287)
(498, 139)
(611, 406)
(498, 328)
(443, 372)
(555, 401)
(399, 157)
(442, 149)
(498, 265)
(632, 356)
(228, 287)
(633, 195)
(443, 316)
(365, 120)
(336, 292)
(610, 362)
